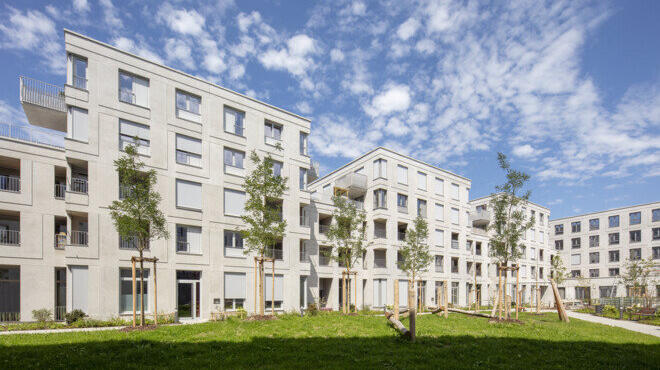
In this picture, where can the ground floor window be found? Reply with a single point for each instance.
(278, 295)
(380, 292)
(235, 287)
(607, 291)
(10, 293)
(582, 293)
(454, 293)
(126, 290)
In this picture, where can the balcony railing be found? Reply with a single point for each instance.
(323, 229)
(479, 218)
(380, 233)
(182, 246)
(78, 185)
(355, 183)
(127, 96)
(31, 134)
(79, 238)
(80, 82)
(42, 94)
(10, 183)
(60, 191)
(59, 313)
(274, 253)
(402, 209)
(324, 260)
(438, 268)
(60, 240)
(10, 237)
(400, 236)
(380, 262)
(454, 244)
(10, 316)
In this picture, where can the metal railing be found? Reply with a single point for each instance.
(60, 191)
(60, 240)
(438, 268)
(80, 82)
(454, 244)
(59, 313)
(324, 260)
(400, 236)
(42, 94)
(10, 237)
(10, 183)
(380, 233)
(380, 262)
(274, 253)
(188, 158)
(182, 246)
(323, 229)
(78, 185)
(31, 134)
(10, 316)
(79, 237)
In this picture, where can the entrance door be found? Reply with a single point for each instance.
(188, 294)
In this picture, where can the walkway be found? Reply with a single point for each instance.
(630, 325)
(49, 331)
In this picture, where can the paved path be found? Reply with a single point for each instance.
(630, 325)
(48, 331)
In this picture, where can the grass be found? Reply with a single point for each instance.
(333, 341)
(613, 313)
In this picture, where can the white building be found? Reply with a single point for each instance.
(596, 246)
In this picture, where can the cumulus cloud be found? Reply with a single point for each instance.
(393, 98)
(111, 16)
(81, 5)
(525, 151)
(304, 107)
(186, 22)
(296, 57)
(179, 51)
(408, 29)
(336, 55)
(140, 48)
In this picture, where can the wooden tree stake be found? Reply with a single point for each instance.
(446, 299)
(133, 270)
(396, 299)
(155, 296)
(272, 295)
(517, 282)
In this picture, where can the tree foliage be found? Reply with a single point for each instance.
(557, 269)
(138, 216)
(637, 274)
(347, 235)
(415, 255)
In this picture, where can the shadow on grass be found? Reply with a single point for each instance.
(348, 352)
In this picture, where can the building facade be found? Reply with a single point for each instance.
(596, 246)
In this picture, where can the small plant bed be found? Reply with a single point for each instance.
(261, 318)
(76, 320)
(612, 312)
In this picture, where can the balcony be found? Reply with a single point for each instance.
(354, 183)
(10, 237)
(275, 253)
(323, 229)
(79, 238)
(78, 185)
(480, 218)
(43, 104)
(10, 183)
(31, 134)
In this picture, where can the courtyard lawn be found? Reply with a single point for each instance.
(335, 341)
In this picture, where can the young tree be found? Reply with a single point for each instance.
(265, 225)
(137, 216)
(510, 221)
(415, 259)
(347, 236)
(637, 275)
(557, 269)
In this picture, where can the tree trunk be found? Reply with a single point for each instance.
(398, 325)
(261, 287)
(412, 308)
(141, 289)
(507, 309)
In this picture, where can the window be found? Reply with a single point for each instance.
(454, 240)
(273, 133)
(133, 89)
(10, 292)
(559, 229)
(380, 199)
(188, 194)
(421, 181)
(402, 174)
(532, 253)
(439, 264)
(303, 143)
(594, 241)
(439, 186)
(421, 208)
(235, 288)
(234, 202)
(455, 191)
(614, 271)
(655, 215)
(233, 244)
(613, 256)
(575, 273)
(575, 259)
(635, 218)
(607, 291)
(189, 239)
(594, 257)
(277, 168)
(380, 293)
(454, 293)
(439, 212)
(454, 265)
(636, 254)
(594, 224)
(304, 216)
(576, 226)
(454, 216)
(302, 179)
(575, 243)
(594, 273)
(656, 233)
(613, 221)
(131, 133)
(126, 290)
(532, 234)
(541, 218)
(380, 169)
(78, 126)
(614, 238)
(636, 236)
(78, 72)
(234, 162)
(439, 237)
(402, 203)
(656, 253)
(234, 121)
(188, 106)
(188, 151)
(304, 252)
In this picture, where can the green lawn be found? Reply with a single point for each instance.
(331, 340)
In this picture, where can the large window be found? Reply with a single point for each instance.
(188, 194)
(304, 150)
(594, 257)
(454, 216)
(636, 254)
(594, 224)
(402, 174)
(613, 221)
(235, 288)
(234, 121)
(234, 202)
(133, 89)
(233, 244)
(10, 293)
(455, 191)
(273, 133)
(613, 256)
(656, 233)
(131, 133)
(439, 264)
(656, 253)
(439, 186)
(380, 293)
(594, 241)
(614, 271)
(439, 212)
(439, 238)
(380, 199)
(576, 243)
(78, 124)
(559, 245)
(636, 236)
(655, 215)
(234, 162)
(189, 239)
(635, 218)
(380, 169)
(421, 180)
(559, 229)
(278, 296)
(277, 168)
(78, 72)
(302, 179)
(126, 290)
(188, 150)
(402, 203)
(188, 106)
(575, 259)
(576, 226)
(614, 238)
(421, 208)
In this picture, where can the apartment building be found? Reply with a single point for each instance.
(595, 247)
(195, 134)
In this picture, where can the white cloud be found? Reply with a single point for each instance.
(394, 98)
(304, 107)
(336, 55)
(10, 114)
(186, 22)
(214, 58)
(179, 51)
(246, 20)
(236, 71)
(525, 151)
(296, 58)
(110, 16)
(140, 48)
(81, 5)
(408, 29)
(396, 127)
(425, 46)
(358, 8)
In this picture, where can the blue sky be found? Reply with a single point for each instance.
(570, 90)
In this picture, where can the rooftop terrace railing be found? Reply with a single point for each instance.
(31, 134)
(42, 94)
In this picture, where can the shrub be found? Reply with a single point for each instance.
(312, 310)
(351, 307)
(74, 316)
(42, 315)
(610, 310)
(241, 313)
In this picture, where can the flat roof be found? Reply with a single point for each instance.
(604, 211)
(393, 152)
(488, 196)
(66, 30)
